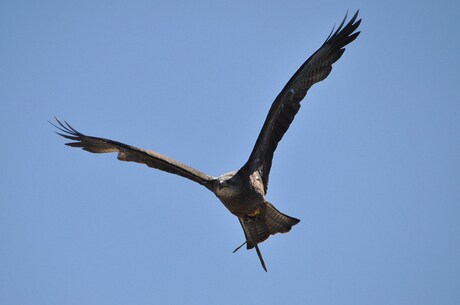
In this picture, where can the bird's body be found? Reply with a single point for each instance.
(240, 196)
(243, 191)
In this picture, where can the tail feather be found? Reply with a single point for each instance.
(278, 222)
(270, 221)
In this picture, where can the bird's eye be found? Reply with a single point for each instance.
(230, 182)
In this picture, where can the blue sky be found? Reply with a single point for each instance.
(370, 165)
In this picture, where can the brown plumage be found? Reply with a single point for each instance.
(243, 192)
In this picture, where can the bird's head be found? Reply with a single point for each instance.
(227, 184)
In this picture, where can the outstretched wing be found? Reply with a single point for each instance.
(131, 153)
(287, 103)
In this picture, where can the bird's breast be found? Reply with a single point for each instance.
(241, 204)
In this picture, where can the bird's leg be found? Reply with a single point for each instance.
(259, 254)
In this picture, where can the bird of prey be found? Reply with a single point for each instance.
(243, 191)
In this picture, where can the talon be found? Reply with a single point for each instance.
(255, 213)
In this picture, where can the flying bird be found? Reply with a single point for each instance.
(243, 191)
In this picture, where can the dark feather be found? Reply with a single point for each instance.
(287, 103)
(131, 153)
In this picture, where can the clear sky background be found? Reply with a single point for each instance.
(371, 165)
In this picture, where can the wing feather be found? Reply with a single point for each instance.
(287, 103)
(131, 153)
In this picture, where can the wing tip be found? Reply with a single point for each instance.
(344, 34)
